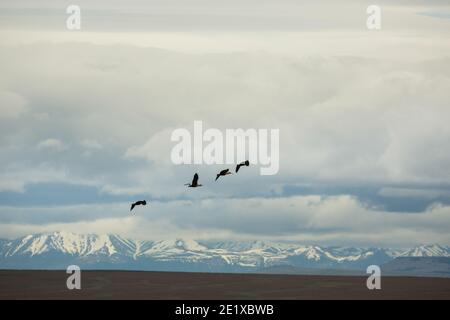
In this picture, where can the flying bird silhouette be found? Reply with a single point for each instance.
(223, 173)
(138, 203)
(194, 183)
(245, 163)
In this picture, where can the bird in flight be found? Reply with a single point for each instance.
(223, 173)
(138, 203)
(194, 183)
(245, 163)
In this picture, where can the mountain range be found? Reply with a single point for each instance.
(59, 249)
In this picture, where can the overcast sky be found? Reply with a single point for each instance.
(86, 118)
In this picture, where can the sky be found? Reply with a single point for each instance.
(86, 117)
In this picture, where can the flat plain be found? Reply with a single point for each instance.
(212, 286)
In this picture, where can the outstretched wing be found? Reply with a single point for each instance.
(132, 206)
(238, 167)
(195, 180)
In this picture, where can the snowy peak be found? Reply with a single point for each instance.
(113, 250)
(61, 242)
(245, 246)
(433, 250)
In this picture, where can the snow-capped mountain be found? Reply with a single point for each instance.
(433, 250)
(59, 249)
(67, 243)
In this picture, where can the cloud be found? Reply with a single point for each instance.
(155, 150)
(203, 15)
(356, 111)
(330, 130)
(91, 144)
(11, 105)
(336, 220)
(52, 145)
(17, 177)
(413, 193)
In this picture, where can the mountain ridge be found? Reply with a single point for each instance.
(59, 249)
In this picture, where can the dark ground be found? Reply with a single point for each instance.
(174, 285)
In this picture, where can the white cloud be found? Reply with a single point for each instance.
(380, 125)
(51, 144)
(156, 150)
